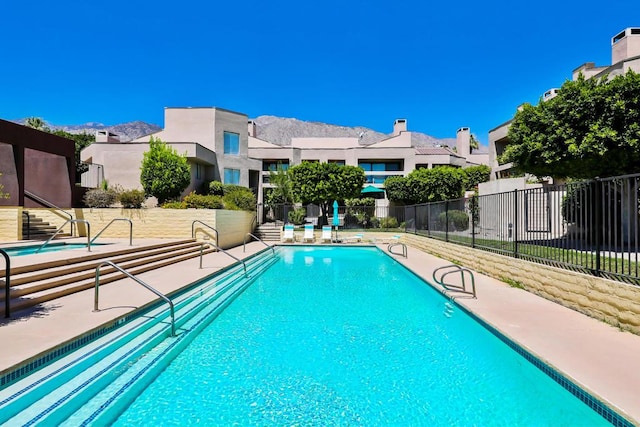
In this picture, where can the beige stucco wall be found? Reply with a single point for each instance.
(232, 226)
(613, 302)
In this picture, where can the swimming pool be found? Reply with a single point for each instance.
(324, 336)
(51, 247)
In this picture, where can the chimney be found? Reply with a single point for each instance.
(400, 125)
(625, 45)
(252, 128)
(106, 136)
(463, 142)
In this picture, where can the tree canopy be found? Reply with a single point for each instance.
(164, 173)
(427, 185)
(322, 183)
(591, 128)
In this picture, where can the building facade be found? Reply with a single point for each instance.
(223, 145)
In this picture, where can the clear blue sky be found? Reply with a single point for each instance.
(440, 65)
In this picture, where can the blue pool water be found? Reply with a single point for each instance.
(52, 247)
(346, 336)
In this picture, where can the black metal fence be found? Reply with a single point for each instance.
(382, 218)
(589, 226)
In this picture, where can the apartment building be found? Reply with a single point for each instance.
(625, 55)
(225, 146)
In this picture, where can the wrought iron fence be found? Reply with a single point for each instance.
(349, 217)
(588, 226)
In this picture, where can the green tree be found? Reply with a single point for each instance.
(164, 173)
(36, 123)
(473, 143)
(427, 185)
(322, 183)
(591, 128)
(282, 191)
(475, 175)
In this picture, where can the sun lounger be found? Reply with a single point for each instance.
(287, 235)
(309, 235)
(357, 238)
(326, 234)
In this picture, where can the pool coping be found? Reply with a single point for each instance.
(420, 264)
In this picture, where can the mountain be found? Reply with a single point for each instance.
(279, 130)
(127, 131)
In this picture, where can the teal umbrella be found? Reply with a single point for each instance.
(371, 189)
(336, 218)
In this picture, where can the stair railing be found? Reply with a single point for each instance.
(244, 245)
(454, 268)
(50, 205)
(84, 221)
(7, 284)
(140, 282)
(223, 251)
(114, 220)
(193, 231)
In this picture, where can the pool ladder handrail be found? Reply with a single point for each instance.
(454, 268)
(404, 248)
(193, 231)
(72, 221)
(114, 220)
(140, 282)
(223, 251)
(7, 284)
(244, 244)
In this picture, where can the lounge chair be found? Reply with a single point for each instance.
(356, 238)
(326, 234)
(287, 235)
(309, 235)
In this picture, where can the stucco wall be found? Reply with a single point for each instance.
(232, 226)
(612, 302)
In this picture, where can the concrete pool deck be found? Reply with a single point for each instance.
(598, 357)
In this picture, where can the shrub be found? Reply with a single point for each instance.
(388, 222)
(174, 205)
(216, 188)
(458, 220)
(199, 201)
(230, 188)
(297, 215)
(240, 199)
(99, 198)
(132, 199)
(164, 173)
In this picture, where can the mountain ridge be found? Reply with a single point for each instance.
(274, 129)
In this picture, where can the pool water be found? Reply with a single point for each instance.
(347, 336)
(52, 247)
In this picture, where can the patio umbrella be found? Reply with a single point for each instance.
(336, 219)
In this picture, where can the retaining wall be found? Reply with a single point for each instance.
(615, 303)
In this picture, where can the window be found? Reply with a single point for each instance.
(380, 166)
(272, 165)
(231, 143)
(198, 168)
(232, 176)
(337, 162)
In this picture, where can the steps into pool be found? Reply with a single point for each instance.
(37, 283)
(95, 382)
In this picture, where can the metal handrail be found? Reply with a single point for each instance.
(60, 229)
(114, 220)
(51, 205)
(140, 282)
(221, 250)
(404, 249)
(244, 244)
(193, 231)
(7, 285)
(454, 268)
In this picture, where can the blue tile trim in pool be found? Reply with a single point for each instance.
(605, 411)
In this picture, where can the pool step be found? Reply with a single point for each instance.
(136, 352)
(37, 283)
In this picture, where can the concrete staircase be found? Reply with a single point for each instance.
(269, 232)
(37, 283)
(34, 228)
